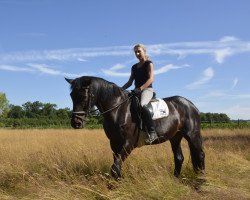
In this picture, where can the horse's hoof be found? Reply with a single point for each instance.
(176, 174)
(107, 175)
(115, 172)
(202, 172)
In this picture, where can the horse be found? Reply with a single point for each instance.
(124, 133)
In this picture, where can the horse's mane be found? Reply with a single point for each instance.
(106, 89)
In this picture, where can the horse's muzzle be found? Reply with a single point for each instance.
(78, 121)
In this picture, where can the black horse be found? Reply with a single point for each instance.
(124, 134)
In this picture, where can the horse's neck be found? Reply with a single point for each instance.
(109, 99)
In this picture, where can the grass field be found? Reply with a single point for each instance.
(75, 164)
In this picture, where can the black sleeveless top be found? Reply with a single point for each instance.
(140, 74)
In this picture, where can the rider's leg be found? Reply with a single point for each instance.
(146, 96)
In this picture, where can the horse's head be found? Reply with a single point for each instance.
(81, 98)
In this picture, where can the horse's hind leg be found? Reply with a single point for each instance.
(178, 156)
(196, 150)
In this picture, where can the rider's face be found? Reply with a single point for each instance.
(140, 53)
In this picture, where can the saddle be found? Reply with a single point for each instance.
(157, 107)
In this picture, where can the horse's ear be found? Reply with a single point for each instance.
(70, 81)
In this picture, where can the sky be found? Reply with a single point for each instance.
(200, 48)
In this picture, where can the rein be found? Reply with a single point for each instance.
(101, 113)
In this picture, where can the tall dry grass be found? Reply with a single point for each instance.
(75, 164)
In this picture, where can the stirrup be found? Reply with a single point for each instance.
(152, 139)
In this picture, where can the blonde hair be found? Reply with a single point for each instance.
(143, 48)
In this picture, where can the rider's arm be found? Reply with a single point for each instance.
(129, 83)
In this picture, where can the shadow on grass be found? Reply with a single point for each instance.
(192, 179)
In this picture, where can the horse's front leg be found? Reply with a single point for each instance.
(119, 157)
(116, 167)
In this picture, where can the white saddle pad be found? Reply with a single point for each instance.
(160, 108)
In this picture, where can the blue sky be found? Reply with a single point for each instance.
(200, 48)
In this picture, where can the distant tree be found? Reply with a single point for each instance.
(16, 112)
(3, 105)
(209, 116)
(49, 110)
(32, 110)
(224, 117)
(214, 117)
(63, 113)
(203, 117)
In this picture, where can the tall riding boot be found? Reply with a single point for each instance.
(148, 121)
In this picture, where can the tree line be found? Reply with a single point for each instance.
(46, 115)
(214, 117)
(38, 115)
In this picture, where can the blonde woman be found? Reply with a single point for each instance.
(143, 75)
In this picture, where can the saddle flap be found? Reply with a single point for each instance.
(159, 108)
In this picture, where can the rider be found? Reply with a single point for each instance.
(143, 75)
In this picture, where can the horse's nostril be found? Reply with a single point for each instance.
(76, 123)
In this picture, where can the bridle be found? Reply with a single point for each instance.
(89, 101)
(82, 114)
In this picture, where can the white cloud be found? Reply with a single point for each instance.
(69, 75)
(225, 47)
(206, 76)
(221, 49)
(41, 68)
(117, 67)
(229, 39)
(221, 54)
(168, 67)
(113, 71)
(63, 54)
(81, 60)
(50, 71)
(225, 95)
(214, 94)
(234, 112)
(238, 112)
(235, 82)
(15, 69)
(45, 69)
(240, 96)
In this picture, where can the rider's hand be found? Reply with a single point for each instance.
(136, 91)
